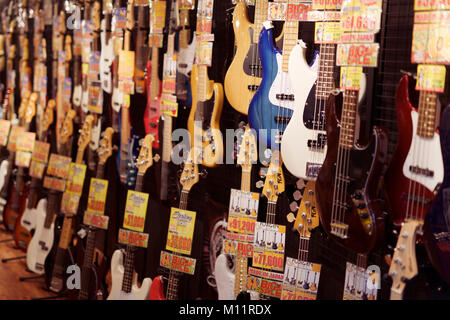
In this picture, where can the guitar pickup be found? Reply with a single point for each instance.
(421, 171)
(255, 67)
(282, 119)
(339, 229)
(319, 143)
(253, 87)
(285, 97)
(182, 65)
(312, 169)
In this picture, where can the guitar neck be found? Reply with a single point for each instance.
(427, 114)
(154, 87)
(128, 266)
(261, 7)
(325, 77)
(185, 33)
(202, 83)
(289, 42)
(172, 286)
(87, 264)
(246, 179)
(303, 248)
(348, 119)
(271, 212)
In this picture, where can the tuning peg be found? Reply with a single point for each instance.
(259, 184)
(203, 173)
(156, 158)
(293, 206)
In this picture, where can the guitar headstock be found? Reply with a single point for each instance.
(248, 153)
(274, 184)
(23, 105)
(30, 109)
(68, 48)
(145, 158)
(25, 52)
(190, 175)
(130, 15)
(95, 16)
(404, 263)
(48, 117)
(85, 133)
(107, 6)
(67, 127)
(307, 217)
(105, 149)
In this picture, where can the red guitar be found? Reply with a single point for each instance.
(189, 178)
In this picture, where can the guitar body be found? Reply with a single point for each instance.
(185, 58)
(22, 235)
(106, 59)
(42, 241)
(12, 216)
(117, 271)
(211, 140)
(362, 214)
(3, 172)
(157, 289)
(153, 110)
(437, 222)
(398, 177)
(241, 81)
(262, 113)
(224, 278)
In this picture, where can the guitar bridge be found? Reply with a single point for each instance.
(421, 171)
(312, 169)
(339, 230)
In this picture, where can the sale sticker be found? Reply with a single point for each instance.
(243, 211)
(357, 54)
(361, 16)
(22, 159)
(97, 196)
(431, 5)
(350, 78)
(156, 40)
(95, 97)
(430, 78)
(96, 220)
(37, 169)
(5, 126)
(203, 53)
(186, 4)
(135, 211)
(59, 166)
(119, 20)
(181, 231)
(431, 16)
(316, 15)
(301, 280)
(16, 131)
(54, 183)
(326, 4)
(204, 25)
(268, 246)
(360, 283)
(327, 32)
(74, 188)
(169, 107)
(283, 11)
(358, 37)
(158, 17)
(132, 238)
(264, 286)
(265, 274)
(431, 43)
(25, 142)
(177, 263)
(240, 237)
(237, 248)
(126, 64)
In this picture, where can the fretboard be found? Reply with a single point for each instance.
(172, 286)
(348, 117)
(325, 78)
(202, 83)
(128, 265)
(246, 179)
(87, 264)
(184, 34)
(271, 211)
(290, 40)
(184, 199)
(167, 136)
(261, 7)
(303, 248)
(427, 114)
(361, 260)
(154, 87)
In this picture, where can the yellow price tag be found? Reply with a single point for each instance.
(351, 78)
(97, 196)
(327, 32)
(181, 231)
(135, 211)
(430, 78)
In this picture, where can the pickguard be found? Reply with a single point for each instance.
(204, 112)
(282, 85)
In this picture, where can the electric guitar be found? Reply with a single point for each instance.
(346, 187)
(152, 111)
(412, 178)
(88, 16)
(117, 95)
(204, 118)
(107, 52)
(244, 74)
(437, 221)
(43, 238)
(60, 257)
(185, 58)
(232, 284)
(124, 280)
(92, 260)
(77, 73)
(189, 177)
(270, 110)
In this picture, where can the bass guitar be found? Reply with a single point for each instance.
(124, 281)
(107, 53)
(415, 172)
(185, 58)
(44, 216)
(230, 284)
(437, 221)
(349, 211)
(189, 177)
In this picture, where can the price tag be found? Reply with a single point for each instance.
(243, 211)
(137, 239)
(350, 78)
(181, 231)
(431, 16)
(95, 100)
(301, 280)
(16, 131)
(358, 54)
(141, 2)
(94, 65)
(126, 72)
(22, 159)
(74, 188)
(321, 16)
(37, 169)
(360, 283)
(203, 53)
(177, 263)
(268, 246)
(135, 211)
(156, 40)
(264, 286)
(25, 142)
(204, 25)
(283, 11)
(361, 16)
(431, 5)
(169, 107)
(430, 78)
(97, 196)
(59, 166)
(5, 126)
(237, 248)
(359, 37)
(119, 20)
(431, 43)
(40, 151)
(54, 183)
(96, 220)
(158, 17)
(326, 4)
(186, 4)
(327, 32)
